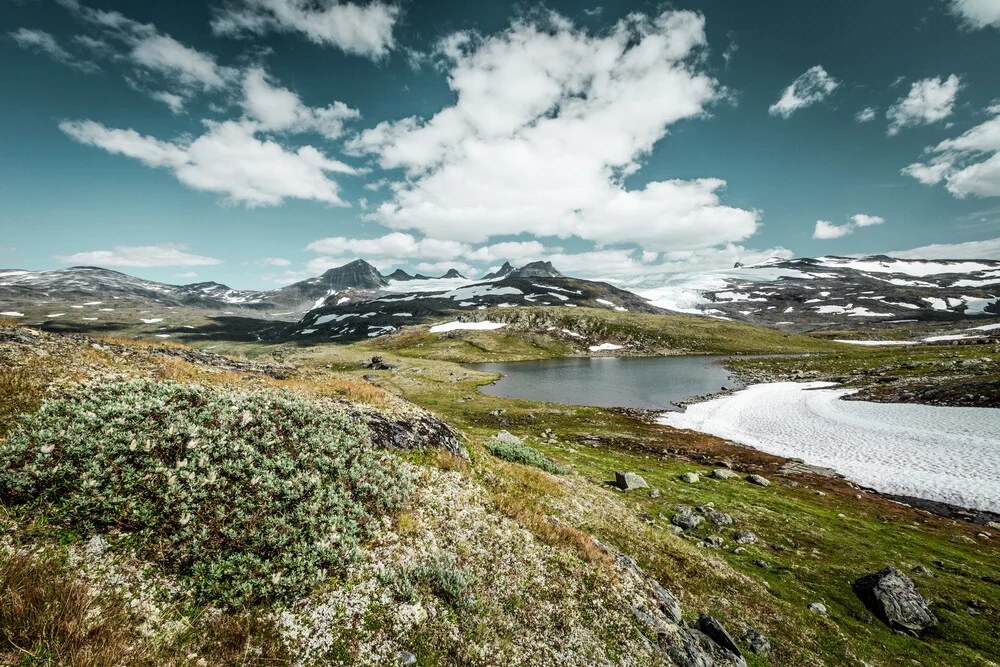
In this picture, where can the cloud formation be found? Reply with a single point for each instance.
(228, 159)
(977, 14)
(813, 86)
(968, 164)
(280, 110)
(150, 256)
(365, 30)
(929, 101)
(825, 230)
(40, 41)
(986, 249)
(866, 115)
(548, 121)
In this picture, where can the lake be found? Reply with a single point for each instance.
(652, 383)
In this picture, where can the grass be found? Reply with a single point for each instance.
(515, 451)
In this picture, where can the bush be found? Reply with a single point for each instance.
(515, 451)
(440, 574)
(249, 496)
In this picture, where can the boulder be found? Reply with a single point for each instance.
(686, 519)
(818, 608)
(719, 519)
(711, 626)
(714, 541)
(654, 493)
(690, 477)
(722, 473)
(629, 481)
(758, 643)
(745, 537)
(405, 658)
(894, 599)
(758, 480)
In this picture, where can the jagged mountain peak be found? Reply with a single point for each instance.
(503, 271)
(536, 270)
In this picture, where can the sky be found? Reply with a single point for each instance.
(260, 142)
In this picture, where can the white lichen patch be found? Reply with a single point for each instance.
(527, 603)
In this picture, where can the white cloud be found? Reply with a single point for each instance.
(968, 164)
(866, 115)
(163, 254)
(228, 159)
(175, 102)
(987, 249)
(363, 30)
(813, 86)
(152, 52)
(547, 121)
(862, 220)
(43, 42)
(929, 101)
(828, 230)
(189, 274)
(274, 261)
(281, 110)
(977, 14)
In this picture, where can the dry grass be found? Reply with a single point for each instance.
(335, 387)
(245, 640)
(115, 340)
(47, 618)
(518, 492)
(21, 390)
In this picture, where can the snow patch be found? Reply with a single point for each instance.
(471, 326)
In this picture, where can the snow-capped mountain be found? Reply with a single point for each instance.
(361, 313)
(837, 292)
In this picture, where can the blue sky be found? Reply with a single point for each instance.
(257, 142)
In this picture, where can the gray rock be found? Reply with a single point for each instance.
(758, 480)
(923, 571)
(714, 541)
(711, 626)
(757, 642)
(893, 598)
(690, 477)
(405, 658)
(719, 519)
(506, 436)
(686, 520)
(796, 466)
(993, 524)
(745, 537)
(629, 481)
(818, 608)
(654, 493)
(722, 473)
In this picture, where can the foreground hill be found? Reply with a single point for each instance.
(207, 541)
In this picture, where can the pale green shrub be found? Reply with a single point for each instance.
(249, 496)
(518, 452)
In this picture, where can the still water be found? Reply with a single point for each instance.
(654, 383)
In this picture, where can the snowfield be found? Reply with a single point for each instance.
(472, 326)
(948, 454)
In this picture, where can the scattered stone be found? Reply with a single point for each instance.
(719, 519)
(984, 535)
(686, 519)
(745, 537)
(797, 466)
(676, 530)
(789, 483)
(763, 564)
(739, 551)
(758, 643)
(818, 608)
(629, 481)
(654, 493)
(647, 518)
(893, 598)
(993, 524)
(820, 493)
(723, 473)
(923, 571)
(758, 480)
(711, 626)
(405, 658)
(690, 477)
(714, 541)
(508, 437)
(707, 507)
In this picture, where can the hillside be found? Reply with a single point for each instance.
(479, 557)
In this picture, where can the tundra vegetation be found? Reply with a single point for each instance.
(344, 552)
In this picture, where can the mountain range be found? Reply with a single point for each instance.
(357, 301)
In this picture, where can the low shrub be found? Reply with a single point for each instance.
(248, 496)
(516, 451)
(440, 574)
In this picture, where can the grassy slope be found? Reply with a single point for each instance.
(535, 333)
